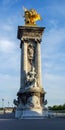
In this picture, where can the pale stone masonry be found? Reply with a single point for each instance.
(38, 63)
(31, 94)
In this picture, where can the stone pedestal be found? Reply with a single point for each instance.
(31, 94)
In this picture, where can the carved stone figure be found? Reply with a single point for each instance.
(30, 53)
(33, 102)
(31, 77)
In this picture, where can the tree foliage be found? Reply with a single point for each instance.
(57, 107)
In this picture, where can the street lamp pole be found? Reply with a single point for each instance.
(8, 104)
(2, 102)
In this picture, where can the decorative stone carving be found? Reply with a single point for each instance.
(30, 53)
(27, 33)
(30, 94)
(33, 102)
(15, 102)
(31, 78)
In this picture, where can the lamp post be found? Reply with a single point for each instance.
(2, 102)
(8, 104)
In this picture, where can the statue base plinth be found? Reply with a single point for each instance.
(30, 114)
(32, 108)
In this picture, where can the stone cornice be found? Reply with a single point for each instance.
(30, 33)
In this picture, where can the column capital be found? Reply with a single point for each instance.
(27, 32)
(24, 40)
(38, 40)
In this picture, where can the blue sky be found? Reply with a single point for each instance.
(52, 48)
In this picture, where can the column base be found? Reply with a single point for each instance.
(30, 114)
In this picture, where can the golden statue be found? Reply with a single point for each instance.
(31, 16)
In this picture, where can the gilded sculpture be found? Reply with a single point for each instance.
(31, 16)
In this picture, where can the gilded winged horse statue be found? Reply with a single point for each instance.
(31, 16)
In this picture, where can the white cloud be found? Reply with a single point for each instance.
(7, 27)
(9, 86)
(8, 2)
(53, 61)
(53, 41)
(54, 64)
(58, 9)
(10, 64)
(6, 46)
(10, 59)
(53, 23)
(54, 86)
(7, 78)
(55, 36)
(55, 9)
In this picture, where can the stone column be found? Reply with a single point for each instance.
(25, 57)
(38, 62)
(21, 68)
(23, 64)
(29, 101)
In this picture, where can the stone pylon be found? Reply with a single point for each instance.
(31, 94)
